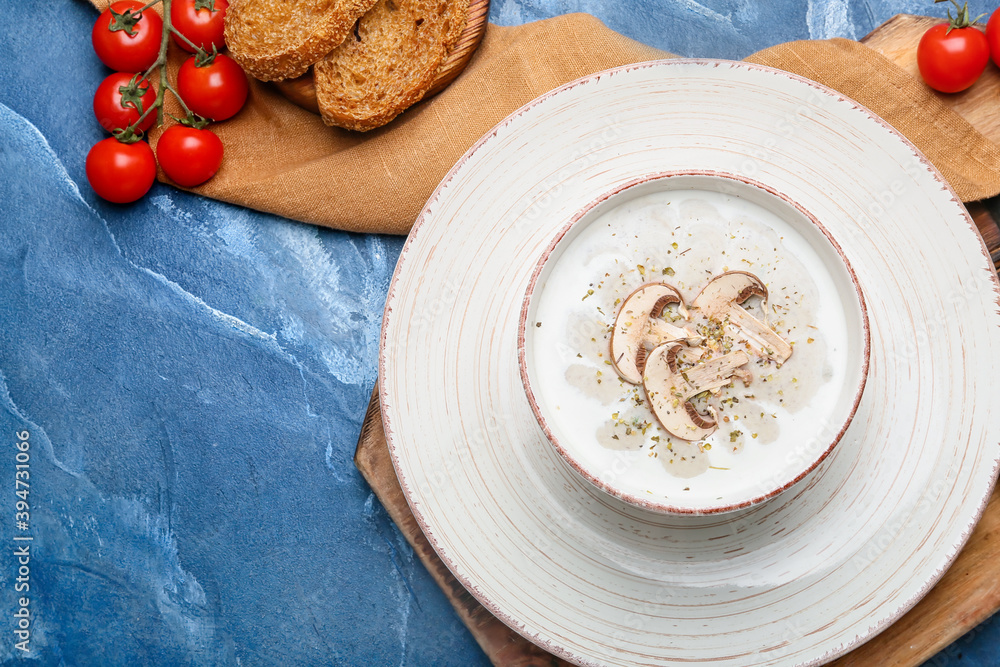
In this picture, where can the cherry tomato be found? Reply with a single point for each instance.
(216, 91)
(121, 173)
(122, 51)
(201, 21)
(952, 61)
(993, 35)
(189, 156)
(112, 113)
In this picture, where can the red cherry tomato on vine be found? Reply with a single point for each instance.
(993, 35)
(122, 51)
(201, 21)
(952, 61)
(112, 113)
(189, 156)
(121, 173)
(216, 91)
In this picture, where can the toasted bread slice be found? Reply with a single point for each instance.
(279, 39)
(389, 63)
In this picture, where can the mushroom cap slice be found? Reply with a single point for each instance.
(720, 300)
(669, 390)
(638, 323)
(728, 288)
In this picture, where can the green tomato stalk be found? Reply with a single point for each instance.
(961, 18)
(131, 94)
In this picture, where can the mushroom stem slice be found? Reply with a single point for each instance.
(670, 390)
(639, 328)
(758, 334)
(720, 301)
(661, 331)
(717, 372)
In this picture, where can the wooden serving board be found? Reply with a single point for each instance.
(968, 593)
(302, 90)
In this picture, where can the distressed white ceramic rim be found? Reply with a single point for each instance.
(976, 464)
(808, 465)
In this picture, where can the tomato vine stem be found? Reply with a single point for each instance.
(132, 133)
(181, 35)
(961, 18)
(178, 97)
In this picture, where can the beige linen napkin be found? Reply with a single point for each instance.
(284, 160)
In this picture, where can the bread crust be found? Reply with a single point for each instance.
(391, 62)
(280, 39)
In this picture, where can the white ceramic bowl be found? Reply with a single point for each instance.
(682, 229)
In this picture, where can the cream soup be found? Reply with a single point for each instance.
(684, 238)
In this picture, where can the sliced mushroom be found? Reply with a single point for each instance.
(670, 389)
(720, 301)
(639, 328)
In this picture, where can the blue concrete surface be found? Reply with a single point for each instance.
(192, 376)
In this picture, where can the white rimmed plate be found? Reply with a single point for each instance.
(796, 580)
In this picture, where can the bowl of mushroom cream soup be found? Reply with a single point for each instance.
(693, 343)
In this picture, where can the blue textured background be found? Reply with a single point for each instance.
(193, 377)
